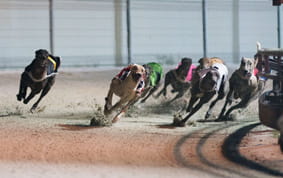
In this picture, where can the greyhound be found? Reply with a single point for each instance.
(243, 85)
(126, 89)
(207, 81)
(39, 76)
(177, 79)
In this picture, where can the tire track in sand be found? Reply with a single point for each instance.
(206, 152)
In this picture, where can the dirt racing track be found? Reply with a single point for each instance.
(59, 142)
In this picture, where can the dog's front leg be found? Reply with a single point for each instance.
(227, 101)
(242, 104)
(24, 82)
(167, 81)
(146, 93)
(108, 102)
(31, 95)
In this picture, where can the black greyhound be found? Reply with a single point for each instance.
(39, 76)
(177, 79)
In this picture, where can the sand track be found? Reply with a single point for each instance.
(59, 139)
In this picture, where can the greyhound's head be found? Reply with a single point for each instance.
(41, 58)
(208, 82)
(184, 67)
(247, 67)
(137, 72)
(204, 63)
(148, 70)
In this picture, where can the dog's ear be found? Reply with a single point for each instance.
(41, 52)
(200, 61)
(37, 52)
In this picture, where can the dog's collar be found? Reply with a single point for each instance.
(43, 78)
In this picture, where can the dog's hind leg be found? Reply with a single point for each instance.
(162, 91)
(124, 110)
(31, 95)
(114, 107)
(166, 83)
(148, 94)
(45, 90)
(179, 95)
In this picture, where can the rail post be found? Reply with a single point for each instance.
(51, 40)
(204, 27)
(129, 31)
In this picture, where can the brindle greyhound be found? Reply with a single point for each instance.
(125, 89)
(206, 83)
(39, 76)
(243, 85)
(177, 79)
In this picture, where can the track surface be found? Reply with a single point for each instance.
(58, 141)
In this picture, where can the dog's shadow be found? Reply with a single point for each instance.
(207, 120)
(166, 126)
(77, 127)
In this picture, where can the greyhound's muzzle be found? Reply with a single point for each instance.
(247, 74)
(137, 76)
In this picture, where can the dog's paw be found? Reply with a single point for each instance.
(106, 112)
(178, 121)
(26, 101)
(32, 109)
(220, 119)
(207, 115)
(19, 97)
(107, 108)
